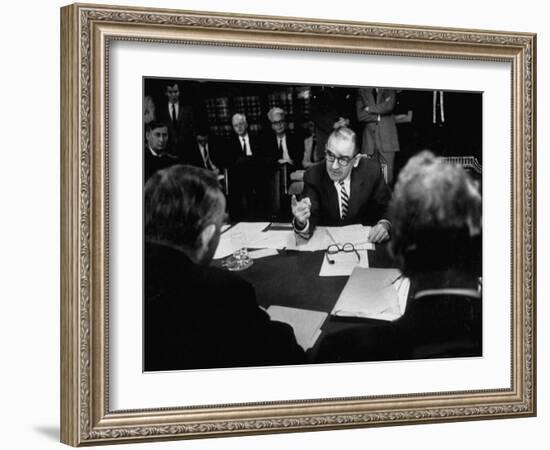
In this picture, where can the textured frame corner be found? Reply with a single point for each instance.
(86, 31)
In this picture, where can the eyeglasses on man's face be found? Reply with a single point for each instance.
(342, 160)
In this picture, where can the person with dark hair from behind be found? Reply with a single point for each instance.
(197, 316)
(155, 154)
(436, 219)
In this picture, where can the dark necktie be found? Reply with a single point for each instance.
(174, 117)
(244, 146)
(280, 148)
(345, 200)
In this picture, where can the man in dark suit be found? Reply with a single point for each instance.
(286, 151)
(375, 111)
(249, 168)
(198, 316)
(284, 147)
(346, 189)
(155, 155)
(205, 152)
(179, 119)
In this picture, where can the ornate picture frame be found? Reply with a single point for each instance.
(87, 32)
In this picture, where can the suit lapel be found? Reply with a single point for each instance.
(333, 209)
(356, 188)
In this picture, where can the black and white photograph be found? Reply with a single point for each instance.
(332, 225)
(289, 224)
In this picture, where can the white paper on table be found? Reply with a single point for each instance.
(225, 248)
(364, 246)
(344, 263)
(257, 254)
(271, 239)
(355, 234)
(373, 293)
(325, 236)
(247, 228)
(305, 323)
(251, 230)
(319, 241)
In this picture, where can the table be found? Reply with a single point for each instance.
(291, 278)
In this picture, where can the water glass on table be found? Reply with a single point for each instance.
(240, 259)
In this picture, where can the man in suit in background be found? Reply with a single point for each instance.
(285, 147)
(287, 151)
(197, 316)
(346, 189)
(242, 144)
(179, 119)
(249, 167)
(206, 151)
(375, 110)
(155, 155)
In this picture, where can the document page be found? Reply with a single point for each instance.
(373, 293)
(305, 323)
(343, 263)
(354, 234)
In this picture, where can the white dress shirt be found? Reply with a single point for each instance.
(246, 139)
(177, 107)
(282, 140)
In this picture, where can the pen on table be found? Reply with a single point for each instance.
(397, 279)
(331, 237)
(229, 226)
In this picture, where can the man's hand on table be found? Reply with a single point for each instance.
(301, 210)
(379, 233)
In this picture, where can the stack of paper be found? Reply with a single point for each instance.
(305, 323)
(270, 239)
(355, 234)
(251, 230)
(373, 293)
(262, 235)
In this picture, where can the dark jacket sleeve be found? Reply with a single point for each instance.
(267, 342)
(384, 107)
(312, 191)
(381, 195)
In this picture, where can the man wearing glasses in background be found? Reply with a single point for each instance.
(348, 189)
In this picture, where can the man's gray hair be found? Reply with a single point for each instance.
(435, 212)
(240, 117)
(275, 111)
(344, 134)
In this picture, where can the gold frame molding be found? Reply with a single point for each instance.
(86, 31)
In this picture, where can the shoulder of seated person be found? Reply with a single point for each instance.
(225, 276)
(170, 156)
(369, 164)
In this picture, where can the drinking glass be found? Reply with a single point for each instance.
(240, 259)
